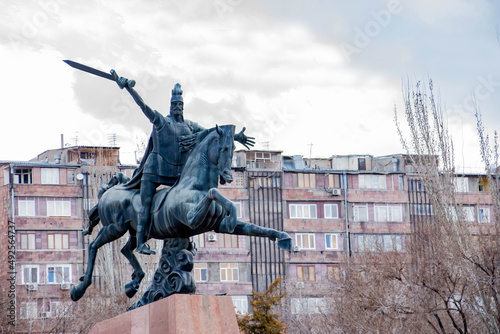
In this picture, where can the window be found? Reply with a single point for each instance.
(262, 155)
(306, 273)
(331, 241)
(28, 241)
(239, 213)
(6, 176)
(380, 243)
(26, 207)
(333, 273)
(23, 176)
(334, 181)
(298, 211)
(58, 274)
(29, 310)
(30, 274)
(361, 164)
(60, 309)
(422, 209)
(58, 240)
(239, 180)
(50, 175)
(200, 272)
(305, 240)
(467, 211)
(367, 181)
(401, 183)
(306, 180)
(228, 241)
(229, 272)
(307, 305)
(199, 240)
(240, 304)
(58, 207)
(71, 176)
(360, 213)
(484, 215)
(331, 211)
(461, 184)
(387, 213)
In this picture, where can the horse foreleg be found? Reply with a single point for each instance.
(138, 274)
(196, 215)
(284, 240)
(106, 234)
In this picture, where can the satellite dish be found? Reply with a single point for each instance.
(79, 176)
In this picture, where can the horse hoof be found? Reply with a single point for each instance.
(285, 244)
(85, 232)
(131, 289)
(82, 278)
(76, 293)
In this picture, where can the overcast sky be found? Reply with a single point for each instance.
(294, 72)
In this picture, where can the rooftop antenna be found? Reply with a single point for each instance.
(75, 139)
(112, 140)
(266, 145)
(310, 150)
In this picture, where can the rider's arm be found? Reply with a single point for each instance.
(150, 113)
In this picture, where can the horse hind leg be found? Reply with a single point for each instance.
(106, 234)
(138, 274)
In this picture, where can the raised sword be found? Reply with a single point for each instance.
(113, 76)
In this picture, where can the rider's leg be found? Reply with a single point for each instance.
(148, 189)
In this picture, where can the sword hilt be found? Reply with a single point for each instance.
(129, 83)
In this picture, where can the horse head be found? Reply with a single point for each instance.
(222, 156)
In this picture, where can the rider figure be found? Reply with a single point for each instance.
(171, 140)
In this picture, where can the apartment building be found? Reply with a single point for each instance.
(333, 208)
(44, 208)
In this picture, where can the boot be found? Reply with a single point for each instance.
(142, 247)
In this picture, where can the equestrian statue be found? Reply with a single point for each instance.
(192, 161)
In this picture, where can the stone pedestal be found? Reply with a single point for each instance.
(177, 314)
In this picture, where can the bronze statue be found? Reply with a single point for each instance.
(190, 159)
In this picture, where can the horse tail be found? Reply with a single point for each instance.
(94, 218)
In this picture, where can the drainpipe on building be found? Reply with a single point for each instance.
(12, 194)
(347, 236)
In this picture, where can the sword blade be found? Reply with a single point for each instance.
(90, 70)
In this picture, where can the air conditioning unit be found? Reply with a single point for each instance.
(336, 192)
(65, 286)
(45, 315)
(296, 248)
(212, 237)
(32, 286)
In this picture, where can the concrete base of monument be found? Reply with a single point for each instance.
(176, 314)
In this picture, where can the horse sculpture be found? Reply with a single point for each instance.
(192, 206)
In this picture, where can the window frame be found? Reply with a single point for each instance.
(63, 266)
(228, 240)
(331, 235)
(240, 304)
(231, 268)
(300, 268)
(199, 268)
(480, 215)
(366, 181)
(302, 206)
(199, 240)
(389, 211)
(28, 172)
(331, 205)
(54, 241)
(310, 237)
(53, 207)
(29, 207)
(50, 176)
(30, 267)
(29, 242)
(355, 214)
